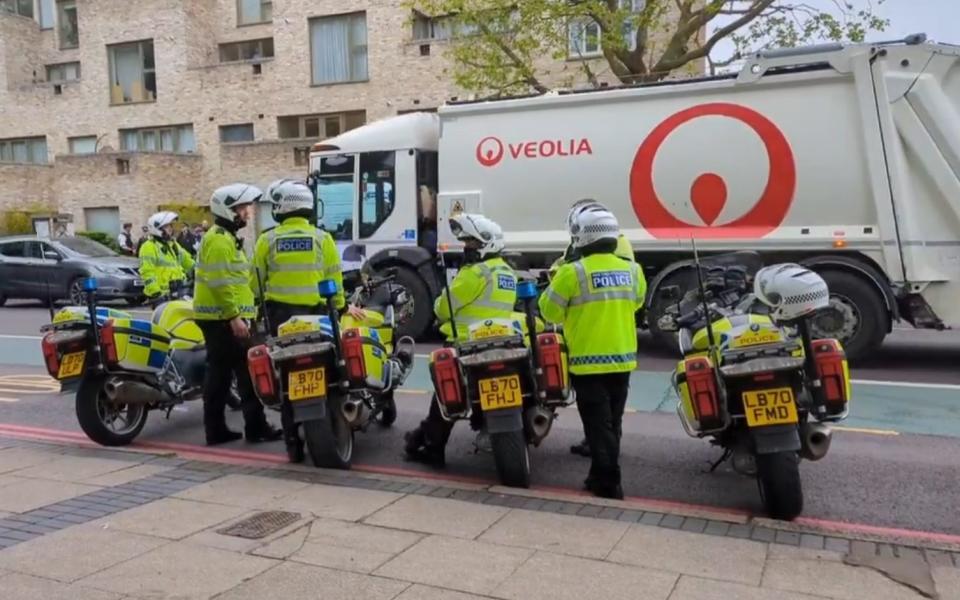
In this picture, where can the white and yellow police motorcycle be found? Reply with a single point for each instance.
(752, 379)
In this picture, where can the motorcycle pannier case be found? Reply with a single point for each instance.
(834, 373)
(699, 396)
(554, 379)
(138, 345)
(365, 357)
(447, 381)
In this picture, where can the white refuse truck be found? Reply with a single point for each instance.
(842, 158)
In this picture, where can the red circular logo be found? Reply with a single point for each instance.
(708, 192)
(489, 151)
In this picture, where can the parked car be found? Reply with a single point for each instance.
(42, 269)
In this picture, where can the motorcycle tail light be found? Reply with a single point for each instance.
(108, 344)
(834, 374)
(261, 373)
(553, 367)
(702, 383)
(446, 379)
(50, 356)
(352, 345)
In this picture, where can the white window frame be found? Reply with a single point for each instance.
(260, 49)
(62, 67)
(71, 140)
(627, 28)
(158, 132)
(265, 16)
(8, 150)
(144, 71)
(355, 48)
(322, 119)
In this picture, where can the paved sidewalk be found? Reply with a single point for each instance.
(97, 524)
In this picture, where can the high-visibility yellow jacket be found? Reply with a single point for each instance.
(222, 287)
(161, 263)
(483, 290)
(595, 299)
(292, 259)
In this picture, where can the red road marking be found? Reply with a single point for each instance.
(224, 455)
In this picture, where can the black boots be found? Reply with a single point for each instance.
(263, 432)
(222, 435)
(416, 449)
(581, 449)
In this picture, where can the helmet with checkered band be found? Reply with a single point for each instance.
(478, 228)
(791, 291)
(158, 221)
(289, 197)
(225, 200)
(592, 223)
(580, 206)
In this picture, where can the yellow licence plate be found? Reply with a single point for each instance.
(304, 385)
(71, 365)
(769, 407)
(500, 392)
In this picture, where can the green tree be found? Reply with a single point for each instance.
(498, 44)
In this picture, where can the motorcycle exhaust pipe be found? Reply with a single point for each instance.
(352, 410)
(815, 440)
(539, 422)
(133, 392)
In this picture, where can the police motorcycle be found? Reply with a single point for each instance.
(126, 366)
(507, 377)
(339, 374)
(752, 379)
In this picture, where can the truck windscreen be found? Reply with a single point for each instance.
(336, 191)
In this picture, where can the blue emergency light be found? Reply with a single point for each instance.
(327, 288)
(526, 290)
(89, 284)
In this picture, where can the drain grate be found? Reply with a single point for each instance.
(261, 524)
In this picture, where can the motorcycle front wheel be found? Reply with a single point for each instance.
(778, 477)
(330, 439)
(512, 457)
(104, 422)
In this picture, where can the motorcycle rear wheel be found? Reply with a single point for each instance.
(512, 457)
(778, 477)
(330, 439)
(104, 422)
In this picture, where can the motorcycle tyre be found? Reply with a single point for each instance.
(778, 478)
(324, 436)
(512, 458)
(87, 400)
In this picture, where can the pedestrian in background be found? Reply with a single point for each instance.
(144, 236)
(125, 240)
(188, 240)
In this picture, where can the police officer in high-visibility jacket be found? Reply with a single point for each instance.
(624, 250)
(162, 259)
(223, 307)
(485, 288)
(595, 298)
(289, 262)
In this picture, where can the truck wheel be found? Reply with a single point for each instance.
(778, 477)
(666, 340)
(330, 439)
(512, 457)
(857, 315)
(416, 324)
(104, 422)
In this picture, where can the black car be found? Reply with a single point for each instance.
(53, 269)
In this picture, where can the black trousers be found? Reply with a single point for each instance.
(226, 358)
(435, 429)
(277, 314)
(601, 400)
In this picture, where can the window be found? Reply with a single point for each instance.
(69, 28)
(13, 249)
(42, 251)
(175, 138)
(335, 193)
(301, 156)
(319, 126)
(85, 144)
(338, 48)
(123, 166)
(248, 50)
(26, 151)
(250, 12)
(45, 18)
(132, 73)
(376, 190)
(236, 133)
(24, 8)
(63, 72)
(584, 34)
(106, 220)
(440, 28)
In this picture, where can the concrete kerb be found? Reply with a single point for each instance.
(672, 515)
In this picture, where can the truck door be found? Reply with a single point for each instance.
(387, 198)
(337, 188)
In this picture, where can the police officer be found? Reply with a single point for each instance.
(223, 306)
(624, 250)
(595, 299)
(289, 261)
(485, 288)
(162, 259)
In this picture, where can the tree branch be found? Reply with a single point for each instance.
(518, 63)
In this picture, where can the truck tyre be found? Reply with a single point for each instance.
(512, 457)
(330, 439)
(104, 422)
(857, 315)
(417, 324)
(778, 477)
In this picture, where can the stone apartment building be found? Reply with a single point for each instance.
(111, 108)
